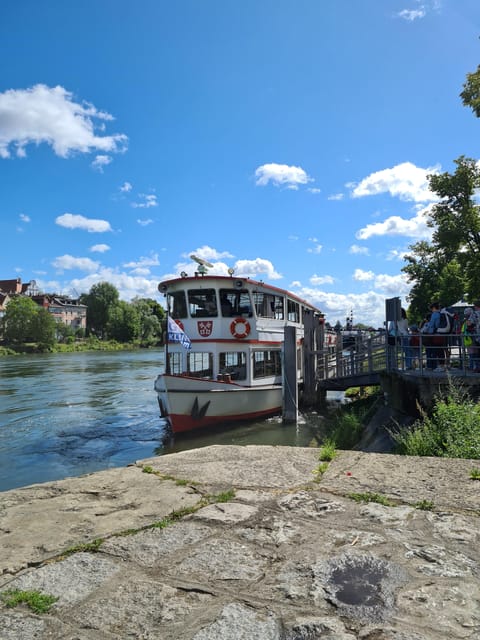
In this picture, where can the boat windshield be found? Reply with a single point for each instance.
(202, 303)
(235, 302)
(178, 304)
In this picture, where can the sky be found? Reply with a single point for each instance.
(288, 139)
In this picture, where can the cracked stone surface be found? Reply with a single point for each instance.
(288, 558)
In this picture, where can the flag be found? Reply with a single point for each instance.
(176, 334)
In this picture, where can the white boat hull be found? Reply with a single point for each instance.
(193, 403)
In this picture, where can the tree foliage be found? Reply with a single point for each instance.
(100, 301)
(471, 92)
(19, 320)
(448, 268)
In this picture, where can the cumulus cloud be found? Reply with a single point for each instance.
(144, 223)
(415, 227)
(73, 221)
(100, 162)
(129, 286)
(404, 181)
(355, 249)
(254, 268)
(49, 115)
(314, 190)
(149, 200)
(412, 14)
(99, 248)
(319, 280)
(336, 196)
(279, 175)
(24, 218)
(126, 187)
(70, 262)
(362, 276)
(144, 261)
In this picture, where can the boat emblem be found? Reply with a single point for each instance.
(205, 327)
(198, 412)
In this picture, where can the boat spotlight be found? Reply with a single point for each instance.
(184, 274)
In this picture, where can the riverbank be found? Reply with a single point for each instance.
(248, 542)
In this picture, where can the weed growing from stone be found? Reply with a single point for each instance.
(225, 496)
(475, 474)
(36, 601)
(86, 547)
(320, 470)
(327, 451)
(371, 497)
(425, 505)
(181, 482)
(147, 469)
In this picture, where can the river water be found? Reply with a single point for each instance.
(69, 414)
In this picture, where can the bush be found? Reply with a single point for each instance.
(452, 430)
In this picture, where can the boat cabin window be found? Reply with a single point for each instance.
(202, 303)
(293, 311)
(178, 304)
(267, 363)
(234, 363)
(175, 362)
(200, 364)
(235, 302)
(268, 305)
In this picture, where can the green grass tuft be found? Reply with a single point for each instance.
(36, 601)
(371, 497)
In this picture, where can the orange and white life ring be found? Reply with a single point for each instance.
(240, 328)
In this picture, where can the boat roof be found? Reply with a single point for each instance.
(201, 279)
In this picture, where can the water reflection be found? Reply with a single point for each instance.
(69, 414)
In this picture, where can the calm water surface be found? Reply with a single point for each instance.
(69, 414)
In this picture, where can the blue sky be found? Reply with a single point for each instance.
(290, 140)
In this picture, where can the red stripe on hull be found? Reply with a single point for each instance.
(182, 423)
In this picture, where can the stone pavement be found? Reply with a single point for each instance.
(289, 556)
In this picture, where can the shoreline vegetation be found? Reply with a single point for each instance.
(88, 344)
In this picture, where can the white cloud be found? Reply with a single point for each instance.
(362, 276)
(100, 162)
(412, 14)
(24, 218)
(254, 268)
(141, 271)
(149, 200)
(99, 248)
(316, 249)
(49, 115)
(314, 190)
(355, 249)
(70, 262)
(128, 286)
(150, 261)
(336, 196)
(144, 223)
(281, 175)
(73, 221)
(319, 280)
(415, 227)
(208, 253)
(126, 187)
(405, 181)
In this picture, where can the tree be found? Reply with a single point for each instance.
(471, 92)
(18, 320)
(44, 328)
(123, 322)
(151, 315)
(448, 267)
(100, 301)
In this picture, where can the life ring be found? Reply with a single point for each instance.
(243, 325)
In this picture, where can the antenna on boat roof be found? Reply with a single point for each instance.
(201, 261)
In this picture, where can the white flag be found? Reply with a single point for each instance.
(176, 334)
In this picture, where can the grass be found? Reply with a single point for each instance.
(327, 451)
(371, 497)
(38, 602)
(180, 482)
(320, 470)
(85, 547)
(475, 474)
(450, 430)
(425, 505)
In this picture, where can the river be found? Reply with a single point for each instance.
(69, 414)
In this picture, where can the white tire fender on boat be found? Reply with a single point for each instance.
(240, 328)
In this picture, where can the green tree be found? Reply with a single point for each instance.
(100, 301)
(123, 322)
(19, 318)
(448, 267)
(44, 328)
(471, 92)
(151, 314)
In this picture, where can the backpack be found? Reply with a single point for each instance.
(446, 321)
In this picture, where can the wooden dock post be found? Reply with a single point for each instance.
(290, 383)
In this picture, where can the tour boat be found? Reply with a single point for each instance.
(223, 355)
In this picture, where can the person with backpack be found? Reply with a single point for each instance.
(437, 340)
